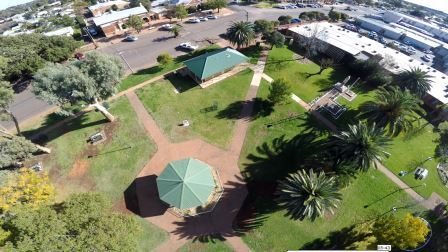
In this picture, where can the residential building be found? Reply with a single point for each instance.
(112, 23)
(210, 65)
(65, 31)
(101, 8)
(345, 43)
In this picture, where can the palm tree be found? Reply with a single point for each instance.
(308, 195)
(415, 80)
(175, 31)
(241, 33)
(392, 108)
(360, 146)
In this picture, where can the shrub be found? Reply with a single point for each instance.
(164, 59)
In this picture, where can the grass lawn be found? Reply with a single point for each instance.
(210, 246)
(407, 151)
(113, 165)
(264, 5)
(280, 64)
(368, 189)
(170, 108)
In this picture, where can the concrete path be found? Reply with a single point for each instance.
(220, 220)
(429, 203)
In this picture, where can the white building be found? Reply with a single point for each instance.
(65, 31)
(415, 23)
(342, 41)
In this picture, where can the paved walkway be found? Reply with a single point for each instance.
(220, 220)
(433, 201)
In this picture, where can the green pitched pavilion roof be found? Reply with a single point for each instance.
(209, 64)
(186, 183)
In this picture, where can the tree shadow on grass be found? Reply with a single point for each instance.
(310, 124)
(261, 108)
(45, 133)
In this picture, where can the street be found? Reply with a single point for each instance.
(142, 53)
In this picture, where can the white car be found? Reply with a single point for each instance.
(188, 46)
(166, 27)
(193, 20)
(426, 58)
(203, 19)
(212, 17)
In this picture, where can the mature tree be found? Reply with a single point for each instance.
(6, 98)
(284, 19)
(79, 6)
(180, 12)
(164, 59)
(392, 108)
(217, 4)
(25, 54)
(134, 3)
(27, 188)
(263, 26)
(135, 22)
(275, 39)
(146, 4)
(176, 30)
(14, 149)
(90, 81)
(325, 63)
(308, 195)
(334, 15)
(279, 91)
(360, 146)
(84, 222)
(241, 33)
(417, 81)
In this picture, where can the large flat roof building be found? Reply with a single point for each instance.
(356, 45)
(101, 8)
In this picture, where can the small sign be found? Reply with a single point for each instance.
(384, 247)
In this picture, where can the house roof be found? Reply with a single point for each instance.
(186, 183)
(106, 4)
(209, 64)
(118, 15)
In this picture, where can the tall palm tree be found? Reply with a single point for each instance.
(392, 108)
(415, 80)
(308, 195)
(360, 146)
(241, 33)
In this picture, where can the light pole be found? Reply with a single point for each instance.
(125, 61)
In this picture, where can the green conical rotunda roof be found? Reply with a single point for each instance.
(186, 183)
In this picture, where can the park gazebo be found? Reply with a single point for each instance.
(188, 185)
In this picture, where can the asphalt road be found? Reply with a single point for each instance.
(143, 52)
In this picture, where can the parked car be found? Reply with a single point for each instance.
(283, 7)
(426, 58)
(407, 42)
(193, 20)
(427, 51)
(166, 27)
(92, 31)
(396, 43)
(295, 20)
(291, 6)
(212, 17)
(203, 19)
(382, 40)
(301, 5)
(188, 46)
(131, 38)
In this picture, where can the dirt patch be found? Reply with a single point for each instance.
(79, 168)
(109, 130)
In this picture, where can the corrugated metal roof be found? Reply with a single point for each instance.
(209, 64)
(118, 15)
(186, 183)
